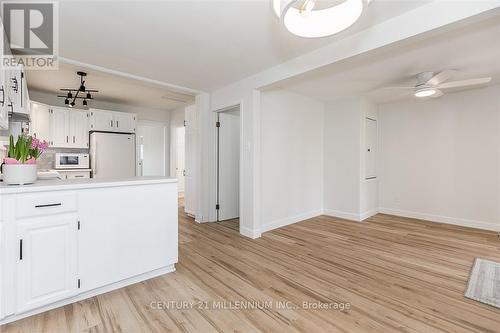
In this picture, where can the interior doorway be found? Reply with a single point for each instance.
(228, 164)
(151, 148)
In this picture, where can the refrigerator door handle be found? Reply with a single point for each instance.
(93, 156)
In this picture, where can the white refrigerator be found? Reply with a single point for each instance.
(112, 155)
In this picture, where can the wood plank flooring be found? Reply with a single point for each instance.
(397, 274)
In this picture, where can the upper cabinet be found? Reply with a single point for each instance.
(112, 121)
(4, 100)
(69, 128)
(40, 121)
(17, 91)
(61, 127)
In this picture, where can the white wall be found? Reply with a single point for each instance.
(292, 158)
(342, 158)
(440, 159)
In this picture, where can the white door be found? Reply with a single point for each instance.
(228, 165)
(151, 149)
(40, 121)
(191, 136)
(59, 127)
(180, 152)
(47, 262)
(371, 148)
(124, 122)
(78, 129)
(101, 120)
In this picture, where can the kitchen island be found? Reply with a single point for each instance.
(64, 241)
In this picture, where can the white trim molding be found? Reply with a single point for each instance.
(250, 233)
(442, 219)
(342, 215)
(290, 220)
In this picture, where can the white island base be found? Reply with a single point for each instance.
(64, 241)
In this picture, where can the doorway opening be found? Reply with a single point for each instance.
(228, 164)
(180, 153)
(152, 146)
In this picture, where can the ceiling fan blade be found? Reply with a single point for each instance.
(412, 87)
(441, 77)
(438, 93)
(463, 83)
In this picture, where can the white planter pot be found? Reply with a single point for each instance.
(19, 174)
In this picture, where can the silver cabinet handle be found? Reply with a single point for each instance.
(67, 138)
(117, 124)
(73, 139)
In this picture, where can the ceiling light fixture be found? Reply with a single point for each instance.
(425, 92)
(72, 94)
(312, 19)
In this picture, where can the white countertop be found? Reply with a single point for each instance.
(72, 184)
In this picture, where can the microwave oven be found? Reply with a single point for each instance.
(72, 161)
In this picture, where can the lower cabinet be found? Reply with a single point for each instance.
(47, 269)
(74, 174)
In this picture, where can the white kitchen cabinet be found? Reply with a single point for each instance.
(17, 90)
(82, 239)
(78, 129)
(4, 101)
(74, 174)
(124, 122)
(59, 127)
(119, 238)
(40, 121)
(112, 121)
(68, 128)
(47, 270)
(101, 120)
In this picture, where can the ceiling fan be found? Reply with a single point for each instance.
(429, 84)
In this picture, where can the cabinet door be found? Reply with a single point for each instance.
(78, 129)
(59, 128)
(4, 109)
(47, 263)
(124, 122)
(40, 121)
(101, 120)
(17, 89)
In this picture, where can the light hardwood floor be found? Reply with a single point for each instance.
(398, 274)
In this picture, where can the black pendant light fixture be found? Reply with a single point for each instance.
(73, 94)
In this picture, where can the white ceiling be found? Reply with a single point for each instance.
(203, 44)
(112, 88)
(473, 50)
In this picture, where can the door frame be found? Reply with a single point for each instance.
(166, 147)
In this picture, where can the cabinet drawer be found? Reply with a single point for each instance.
(78, 175)
(45, 203)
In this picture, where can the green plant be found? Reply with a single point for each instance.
(21, 150)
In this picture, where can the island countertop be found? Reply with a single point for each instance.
(73, 184)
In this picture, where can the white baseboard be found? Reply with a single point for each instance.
(91, 293)
(368, 214)
(290, 220)
(442, 219)
(342, 215)
(250, 233)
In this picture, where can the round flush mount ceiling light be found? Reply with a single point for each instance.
(318, 18)
(425, 92)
